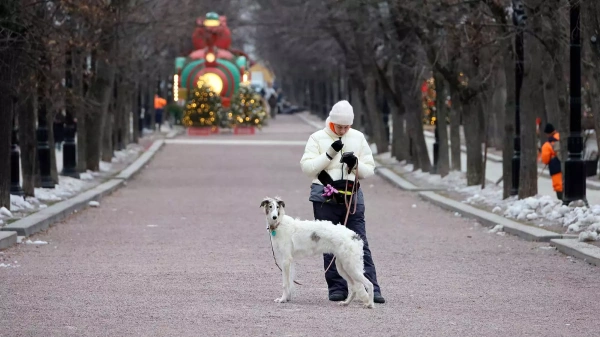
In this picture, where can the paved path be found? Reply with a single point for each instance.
(183, 251)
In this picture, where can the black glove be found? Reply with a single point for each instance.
(334, 149)
(350, 160)
(337, 145)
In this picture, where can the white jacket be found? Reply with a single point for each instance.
(315, 157)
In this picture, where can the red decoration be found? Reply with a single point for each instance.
(219, 36)
(243, 130)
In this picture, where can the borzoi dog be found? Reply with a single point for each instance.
(293, 238)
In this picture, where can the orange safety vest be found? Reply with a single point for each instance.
(549, 157)
(159, 102)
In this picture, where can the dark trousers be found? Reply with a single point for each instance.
(356, 222)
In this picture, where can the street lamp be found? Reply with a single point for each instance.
(519, 18)
(575, 177)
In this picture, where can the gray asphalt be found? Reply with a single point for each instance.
(183, 251)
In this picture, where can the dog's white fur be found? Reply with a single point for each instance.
(302, 238)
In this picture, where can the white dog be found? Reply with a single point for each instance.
(293, 238)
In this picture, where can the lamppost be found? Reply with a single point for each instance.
(15, 157)
(519, 18)
(575, 178)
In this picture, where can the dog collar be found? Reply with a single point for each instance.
(272, 229)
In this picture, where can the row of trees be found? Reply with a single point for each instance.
(382, 51)
(98, 62)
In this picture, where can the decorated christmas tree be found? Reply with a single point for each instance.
(203, 108)
(247, 108)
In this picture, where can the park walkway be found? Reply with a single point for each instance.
(183, 251)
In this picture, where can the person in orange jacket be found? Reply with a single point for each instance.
(159, 106)
(550, 151)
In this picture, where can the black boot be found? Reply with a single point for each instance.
(559, 195)
(378, 298)
(337, 296)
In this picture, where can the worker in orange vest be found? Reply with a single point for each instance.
(550, 157)
(159, 106)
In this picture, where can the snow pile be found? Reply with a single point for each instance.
(36, 242)
(8, 265)
(5, 212)
(132, 151)
(105, 166)
(66, 188)
(575, 218)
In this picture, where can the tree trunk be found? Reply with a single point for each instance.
(78, 108)
(442, 130)
(6, 112)
(509, 118)
(471, 110)
(27, 143)
(455, 115)
(399, 135)
(591, 26)
(497, 105)
(375, 118)
(359, 110)
(150, 104)
(136, 101)
(107, 133)
(533, 86)
(366, 117)
(100, 94)
(51, 143)
(414, 123)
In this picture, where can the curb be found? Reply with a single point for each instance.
(135, 167)
(490, 220)
(486, 218)
(45, 218)
(393, 178)
(7, 239)
(581, 250)
(309, 122)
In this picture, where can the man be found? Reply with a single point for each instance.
(334, 156)
(271, 97)
(550, 152)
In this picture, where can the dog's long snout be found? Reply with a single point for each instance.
(274, 217)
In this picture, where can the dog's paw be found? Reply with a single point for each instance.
(343, 303)
(369, 306)
(281, 300)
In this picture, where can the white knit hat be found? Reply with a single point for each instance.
(341, 113)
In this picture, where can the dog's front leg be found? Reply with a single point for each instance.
(285, 273)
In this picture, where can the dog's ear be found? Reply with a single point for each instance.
(281, 203)
(265, 202)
